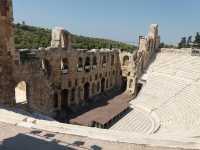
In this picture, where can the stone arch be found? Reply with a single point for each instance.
(93, 89)
(21, 94)
(64, 98)
(112, 59)
(107, 84)
(94, 62)
(87, 64)
(64, 65)
(126, 60)
(55, 100)
(104, 61)
(111, 82)
(79, 91)
(98, 86)
(73, 95)
(103, 84)
(124, 83)
(87, 91)
(46, 67)
(80, 62)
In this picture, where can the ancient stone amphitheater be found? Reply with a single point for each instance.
(163, 115)
(169, 100)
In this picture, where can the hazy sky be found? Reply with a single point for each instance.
(122, 20)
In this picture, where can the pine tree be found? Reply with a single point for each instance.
(182, 43)
(197, 40)
(189, 41)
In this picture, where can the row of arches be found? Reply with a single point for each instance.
(93, 62)
(81, 65)
(81, 94)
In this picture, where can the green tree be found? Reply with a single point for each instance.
(34, 37)
(197, 40)
(189, 41)
(182, 43)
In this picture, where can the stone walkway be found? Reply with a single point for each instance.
(19, 132)
(19, 138)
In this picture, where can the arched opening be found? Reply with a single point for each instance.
(73, 95)
(21, 93)
(64, 99)
(125, 61)
(46, 67)
(64, 66)
(55, 100)
(86, 91)
(111, 82)
(112, 60)
(104, 61)
(98, 86)
(124, 83)
(80, 64)
(87, 64)
(94, 63)
(79, 93)
(102, 85)
(93, 89)
(107, 84)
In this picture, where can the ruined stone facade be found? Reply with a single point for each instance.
(61, 77)
(148, 46)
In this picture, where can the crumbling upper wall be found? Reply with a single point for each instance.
(148, 46)
(153, 31)
(61, 38)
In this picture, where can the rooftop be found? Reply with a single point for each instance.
(106, 107)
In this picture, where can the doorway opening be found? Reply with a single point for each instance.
(21, 93)
(64, 99)
(102, 85)
(86, 91)
(124, 83)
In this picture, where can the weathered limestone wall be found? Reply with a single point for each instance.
(133, 65)
(148, 46)
(58, 70)
(128, 68)
(6, 49)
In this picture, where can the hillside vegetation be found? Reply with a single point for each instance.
(31, 37)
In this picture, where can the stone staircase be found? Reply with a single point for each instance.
(137, 121)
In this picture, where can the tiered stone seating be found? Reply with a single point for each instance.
(158, 91)
(172, 92)
(135, 121)
(182, 113)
